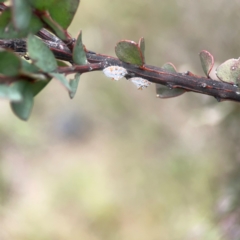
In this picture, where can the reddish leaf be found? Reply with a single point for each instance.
(129, 52)
(169, 67)
(141, 44)
(207, 61)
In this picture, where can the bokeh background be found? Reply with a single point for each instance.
(116, 163)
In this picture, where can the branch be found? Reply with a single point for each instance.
(220, 90)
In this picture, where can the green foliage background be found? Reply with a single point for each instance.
(117, 163)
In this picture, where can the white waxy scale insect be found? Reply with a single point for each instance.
(115, 72)
(140, 82)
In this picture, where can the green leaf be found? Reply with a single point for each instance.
(24, 107)
(62, 63)
(8, 31)
(38, 86)
(141, 44)
(40, 54)
(165, 91)
(63, 11)
(21, 15)
(169, 67)
(59, 31)
(5, 17)
(28, 67)
(79, 55)
(10, 63)
(229, 71)
(62, 79)
(42, 4)
(9, 92)
(207, 61)
(129, 52)
(74, 85)
(31, 71)
(34, 26)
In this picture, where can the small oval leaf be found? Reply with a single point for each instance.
(10, 63)
(164, 91)
(62, 63)
(141, 44)
(129, 52)
(24, 107)
(10, 93)
(42, 4)
(31, 71)
(63, 11)
(169, 67)
(229, 71)
(59, 31)
(74, 85)
(79, 55)
(8, 31)
(207, 61)
(28, 67)
(40, 54)
(22, 13)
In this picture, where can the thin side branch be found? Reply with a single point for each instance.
(187, 81)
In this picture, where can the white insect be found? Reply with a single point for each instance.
(115, 72)
(140, 82)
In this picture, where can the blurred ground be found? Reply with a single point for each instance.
(117, 163)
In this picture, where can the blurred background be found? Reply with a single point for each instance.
(116, 163)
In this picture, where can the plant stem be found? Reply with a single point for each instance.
(97, 62)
